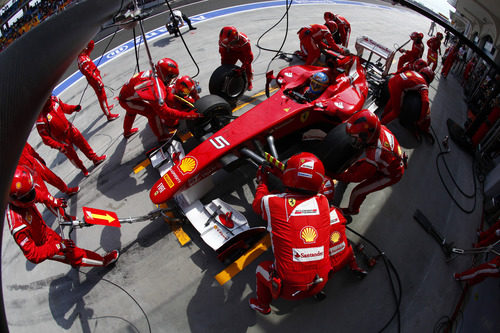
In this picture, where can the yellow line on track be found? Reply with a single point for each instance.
(141, 166)
(254, 97)
(243, 261)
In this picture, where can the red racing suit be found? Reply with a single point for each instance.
(399, 84)
(343, 31)
(93, 75)
(39, 242)
(41, 173)
(417, 50)
(450, 60)
(239, 50)
(379, 166)
(479, 273)
(434, 45)
(313, 39)
(140, 96)
(300, 230)
(57, 132)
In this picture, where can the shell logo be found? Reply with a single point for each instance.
(308, 234)
(335, 237)
(188, 164)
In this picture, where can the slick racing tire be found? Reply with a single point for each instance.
(336, 151)
(410, 109)
(216, 113)
(228, 82)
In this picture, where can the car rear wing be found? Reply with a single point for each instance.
(385, 54)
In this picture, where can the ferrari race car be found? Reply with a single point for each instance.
(285, 123)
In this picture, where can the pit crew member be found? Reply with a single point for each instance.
(177, 19)
(37, 241)
(382, 163)
(434, 44)
(299, 223)
(417, 50)
(58, 133)
(234, 46)
(31, 159)
(93, 75)
(313, 39)
(343, 31)
(399, 85)
(141, 96)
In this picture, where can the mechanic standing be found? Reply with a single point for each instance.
(37, 241)
(451, 56)
(402, 83)
(234, 46)
(93, 75)
(31, 159)
(141, 96)
(313, 39)
(299, 223)
(343, 31)
(58, 133)
(434, 44)
(417, 50)
(382, 163)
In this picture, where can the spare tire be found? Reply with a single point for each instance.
(336, 151)
(410, 109)
(228, 82)
(216, 113)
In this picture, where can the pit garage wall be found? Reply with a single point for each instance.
(31, 67)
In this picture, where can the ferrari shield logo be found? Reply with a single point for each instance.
(304, 116)
(292, 202)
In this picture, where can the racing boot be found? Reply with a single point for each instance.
(73, 190)
(358, 271)
(99, 160)
(256, 305)
(111, 258)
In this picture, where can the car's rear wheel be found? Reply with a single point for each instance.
(228, 82)
(216, 113)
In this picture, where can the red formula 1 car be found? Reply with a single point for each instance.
(280, 123)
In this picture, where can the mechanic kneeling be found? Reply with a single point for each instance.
(299, 222)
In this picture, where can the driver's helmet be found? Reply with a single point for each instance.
(319, 82)
(22, 190)
(304, 172)
(428, 74)
(184, 86)
(167, 70)
(418, 64)
(228, 36)
(364, 128)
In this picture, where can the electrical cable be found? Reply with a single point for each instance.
(388, 266)
(278, 52)
(129, 295)
(469, 196)
(184, 42)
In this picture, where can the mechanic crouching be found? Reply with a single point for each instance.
(299, 223)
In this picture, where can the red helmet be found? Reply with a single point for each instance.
(304, 171)
(167, 70)
(329, 16)
(364, 127)
(419, 64)
(428, 74)
(328, 189)
(417, 36)
(22, 190)
(332, 26)
(228, 36)
(184, 85)
(439, 35)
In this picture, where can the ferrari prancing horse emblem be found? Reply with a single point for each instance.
(292, 202)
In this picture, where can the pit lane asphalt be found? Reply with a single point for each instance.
(174, 285)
